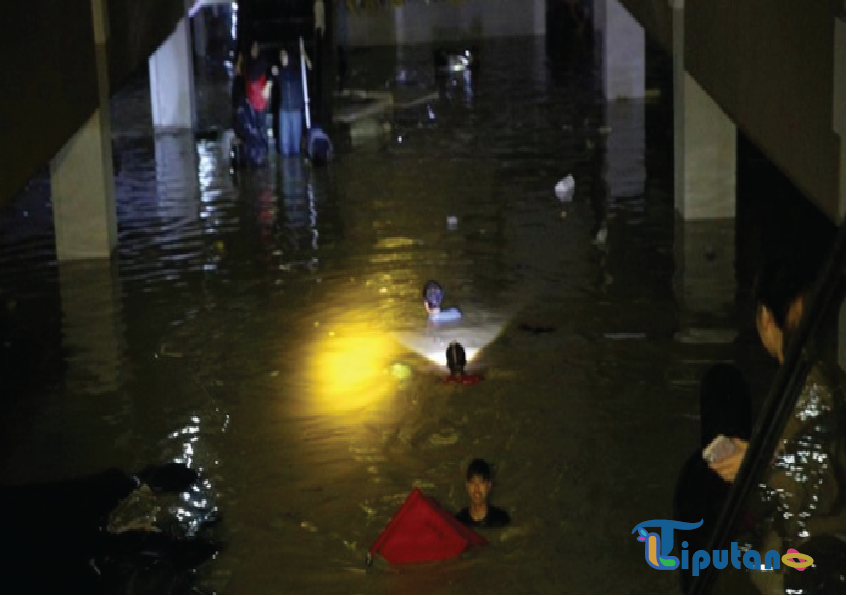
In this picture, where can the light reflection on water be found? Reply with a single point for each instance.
(254, 327)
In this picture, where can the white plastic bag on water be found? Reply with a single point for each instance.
(565, 188)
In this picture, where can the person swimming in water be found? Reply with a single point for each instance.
(480, 514)
(433, 295)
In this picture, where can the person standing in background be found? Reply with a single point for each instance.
(291, 103)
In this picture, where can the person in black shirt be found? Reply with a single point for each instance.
(480, 514)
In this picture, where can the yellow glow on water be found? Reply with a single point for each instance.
(350, 369)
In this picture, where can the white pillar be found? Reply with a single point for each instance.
(704, 142)
(81, 177)
(623, 52)
(622, 43)
(704, 195)
(93, 331)
(704, 155)
(172, 81)
(704, 264)
(625, 147)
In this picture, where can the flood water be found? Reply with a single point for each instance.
(269, 329)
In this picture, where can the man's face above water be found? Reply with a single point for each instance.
(478, 489)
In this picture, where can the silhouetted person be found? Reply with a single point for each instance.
(725, 409)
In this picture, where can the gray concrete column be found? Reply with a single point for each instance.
(704, 142)
(598, 15)
(704, 196)
(172, 81)
(622, 43)
(625, 145)
(704, 264)
(201, 37)
(93, 330)
(623, 52)
(399, 27)
(81, 177)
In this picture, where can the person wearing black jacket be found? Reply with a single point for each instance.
(291, 102)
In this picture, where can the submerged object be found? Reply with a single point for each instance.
(421, 531)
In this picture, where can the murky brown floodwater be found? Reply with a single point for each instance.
(260, 329)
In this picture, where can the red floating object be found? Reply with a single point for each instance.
(462, 379)
(421, 531)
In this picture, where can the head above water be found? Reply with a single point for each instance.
(456, 358)
(781, 288)
(478, 483)
(433, 294)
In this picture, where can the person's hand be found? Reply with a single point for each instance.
(275, 70)
(727, 468)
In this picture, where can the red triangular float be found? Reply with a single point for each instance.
(421, 531)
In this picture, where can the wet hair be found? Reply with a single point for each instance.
(479, 467)
(433, 294)
(781, 281)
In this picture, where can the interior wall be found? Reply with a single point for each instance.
(768, 64)
(417, 22)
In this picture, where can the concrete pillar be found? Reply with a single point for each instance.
(201, 34)
(81, 176)
(93, 330)
(625, 146)
(172, 81)
(622, 56)
(623, 52)
(704, 191)
(399, 26)
(704, 259)
(598, 15)
(704, 142)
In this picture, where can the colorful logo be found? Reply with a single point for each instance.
(657, 549)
